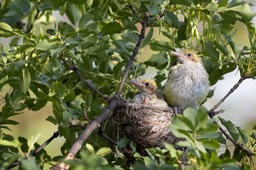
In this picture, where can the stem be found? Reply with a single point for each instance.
(134, 53)
(228, 94)
(86, 82)
(240, 146)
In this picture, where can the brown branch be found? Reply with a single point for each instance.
(86, 82)
(134, 53)
(113, 102)
(240, 146)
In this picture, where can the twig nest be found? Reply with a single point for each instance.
(147, 125)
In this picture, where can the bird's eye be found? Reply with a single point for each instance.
(190, 55)
(147, 84)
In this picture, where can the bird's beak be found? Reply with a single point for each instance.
(182, 56)
(136, 83)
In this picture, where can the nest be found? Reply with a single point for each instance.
(148, 126)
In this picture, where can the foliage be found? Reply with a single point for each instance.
(98, 38)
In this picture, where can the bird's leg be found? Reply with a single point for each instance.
(176, 110)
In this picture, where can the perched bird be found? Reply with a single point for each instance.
(148, 94)
(187, 84)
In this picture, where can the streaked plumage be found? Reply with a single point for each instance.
(187, 84)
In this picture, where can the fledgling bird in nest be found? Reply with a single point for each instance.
(187, 84)
(146, 118)
(148, 93)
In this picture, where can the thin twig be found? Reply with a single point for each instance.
(134, 53)
(55, 135)
(124, 150)
(86, 82)
(247, 151)
(134, 12)
(228, 94)
(35, 152)
(212, 113)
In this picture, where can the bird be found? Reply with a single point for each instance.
(187, 84)
(148, 93)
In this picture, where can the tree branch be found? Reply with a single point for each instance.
(134, 12)
(247, 151)
(114, 102)
(212, 113)
(86, 82)
(134, 53)
(212, 110)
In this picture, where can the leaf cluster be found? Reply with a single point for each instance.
(98, 37)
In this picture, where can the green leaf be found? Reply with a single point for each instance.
(111, 28)
(231, 128)
(26, 80)
(87, 21)
(243, 135)
(73, 13)
(123, 142)
(153, 8)
(159, 61)
(58, 3)
(180, 122)
(182, 33)
(14, 143)
(45, 45)
(103, 151)
(29, 163)
(210, 144)
(221, 139)
(19, 107)
(89, 147)
(244, 9)
(201, 118)
(200, 146)
(133, 146)
(5, 30)
(171, 19)
(161, 46)
(11, 122)
(191, 114)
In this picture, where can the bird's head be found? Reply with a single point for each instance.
(185, 56)
(145, 85)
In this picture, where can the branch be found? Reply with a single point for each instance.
(114, 102)
(134, 12)
(86, 82)
(134, 53)
(55, 135)
(212, 113)
(35, 152)
(240, 146)
(212, 110)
